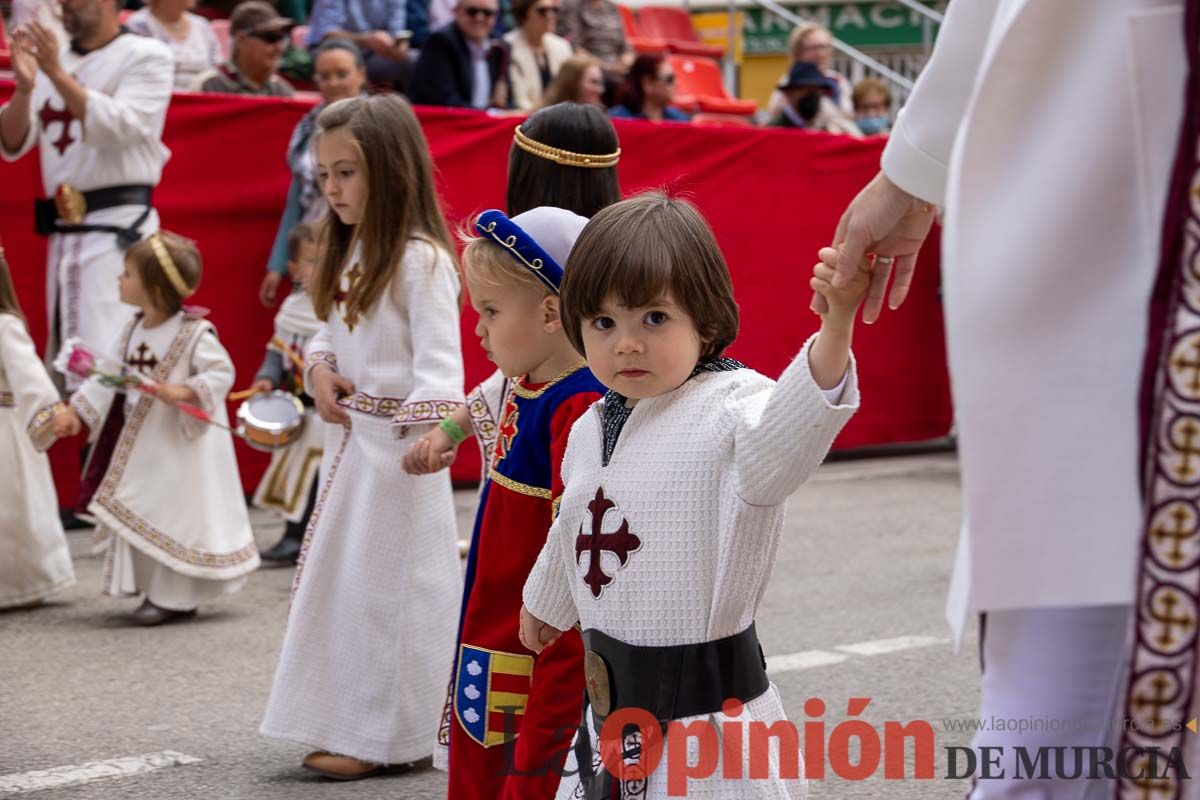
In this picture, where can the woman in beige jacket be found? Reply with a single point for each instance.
(537, 52)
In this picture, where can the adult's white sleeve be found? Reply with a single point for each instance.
(917, 155)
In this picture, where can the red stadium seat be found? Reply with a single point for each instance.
(675, 26)
(643, 45)
(5, 59)
(722, 120)
(699, 79)
(220, 27)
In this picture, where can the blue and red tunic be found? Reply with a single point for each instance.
(512, 713)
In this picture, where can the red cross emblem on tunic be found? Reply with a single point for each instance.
(64, 118)
(620, 543)
(507, 430)
(345, 287)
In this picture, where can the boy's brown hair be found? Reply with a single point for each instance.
(300, 234)
(637, 250)
(186, 257)
(8, 295)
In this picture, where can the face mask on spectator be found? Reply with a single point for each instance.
(808, 105)
(871, 125)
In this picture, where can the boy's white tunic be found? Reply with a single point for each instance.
(378, 584)
(170, 503)
(34, 560)
(119, 143)
(287, 483)
(701, 475)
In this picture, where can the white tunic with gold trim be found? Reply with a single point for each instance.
(34, 560)
(286, 484)
(170, 503)
(378, 584)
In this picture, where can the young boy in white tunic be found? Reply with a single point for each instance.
(675, 488)
(34, 560)
(159, 482)
(289, 485)
(362, 674)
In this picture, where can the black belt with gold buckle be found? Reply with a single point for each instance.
(672, 682)
(65, 212)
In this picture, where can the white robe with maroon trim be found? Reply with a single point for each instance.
(34, 560)
(701, 476)
(170, 504)
(378, 583)
(119, 143)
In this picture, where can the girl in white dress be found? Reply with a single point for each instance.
(34, 561)
(161, 484)
(362, 673)
(674, 494)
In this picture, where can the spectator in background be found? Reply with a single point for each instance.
(461, 65)
(579, 80)
(339, 72)
(189, 36)
(595, 27)
(872, 106)
(536, 52)
(378, 27)
(648, 91)
(813, 42)
(260, 36)
(809, 104)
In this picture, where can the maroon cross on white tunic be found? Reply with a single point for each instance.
(620, 543)
(63, 117)
(146, 361)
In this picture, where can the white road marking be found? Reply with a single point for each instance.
(881, 646)
(58, 777)
(805, 659)
(808, 659)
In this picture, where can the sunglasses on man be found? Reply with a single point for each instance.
(270, 37)
(475, 12)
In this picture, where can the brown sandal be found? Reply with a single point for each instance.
(341, 768)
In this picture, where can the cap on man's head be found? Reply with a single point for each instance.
(807, 75)
(256, 16)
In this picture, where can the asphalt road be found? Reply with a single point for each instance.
(863, 566)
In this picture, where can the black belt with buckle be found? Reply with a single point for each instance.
(672, 682)
(64, 212)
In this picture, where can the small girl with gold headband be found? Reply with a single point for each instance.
(159, 482)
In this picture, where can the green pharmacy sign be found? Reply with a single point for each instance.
(857, 24)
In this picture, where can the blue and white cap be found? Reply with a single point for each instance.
(539, 239)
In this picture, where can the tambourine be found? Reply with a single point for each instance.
(271, 420)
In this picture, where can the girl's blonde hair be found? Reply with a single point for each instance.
(8, 295)
(183, 254)
(401, 200)
(494, 266)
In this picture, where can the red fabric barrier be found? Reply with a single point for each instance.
(772, 196)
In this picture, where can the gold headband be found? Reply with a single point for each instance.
(564, 157)
(168, 266)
